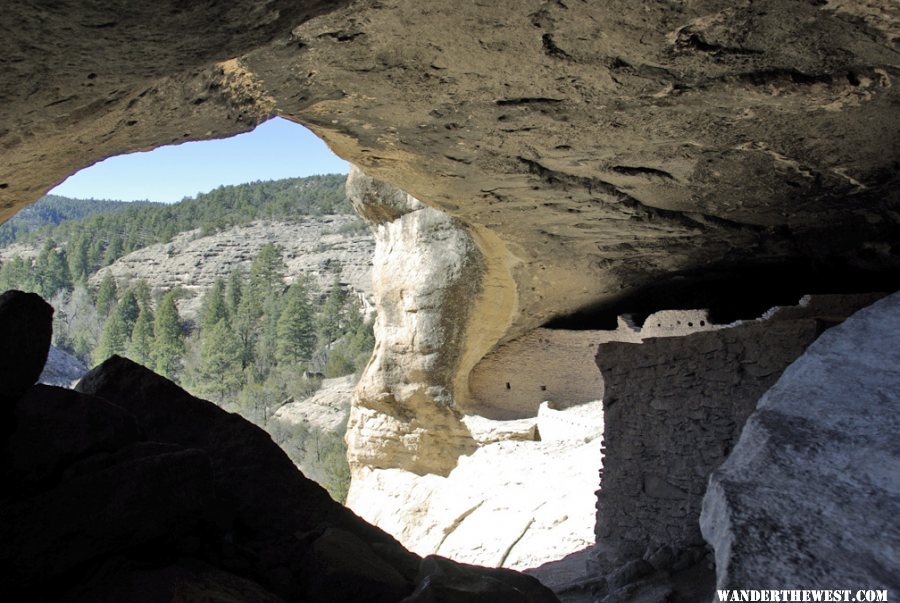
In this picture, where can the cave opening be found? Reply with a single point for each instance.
(255, 294)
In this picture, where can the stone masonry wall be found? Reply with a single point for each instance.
(558, 365)
(674, 407)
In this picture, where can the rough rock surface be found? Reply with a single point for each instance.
(674, 408)
(62, 369)
(810, 492)
(153, 495)
(587, 149)
(606, 145)
(515, 502)
(26, 326)
(428, 278)
(323, 248)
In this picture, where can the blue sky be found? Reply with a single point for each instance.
(275, 149)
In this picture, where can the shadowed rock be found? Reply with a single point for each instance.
(443, 581)
(26, 325)
(56, 427)
(269, 523)
(147, 497)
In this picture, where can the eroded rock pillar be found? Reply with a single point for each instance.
(428, 274)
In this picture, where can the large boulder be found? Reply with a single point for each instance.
(56, 427)
(145, 497)
(246, 462)
(267, 507)
(444, 581)
(26, 326)
(810, 493)
(273, 525)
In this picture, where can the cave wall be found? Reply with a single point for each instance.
(582, 151)
(673, 410)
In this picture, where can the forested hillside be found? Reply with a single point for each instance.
(91, 243)
(263, 337)
(52, 210)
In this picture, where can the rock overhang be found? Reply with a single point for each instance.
(605, 146)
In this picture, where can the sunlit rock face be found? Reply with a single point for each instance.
(427, 275)
(828, 430)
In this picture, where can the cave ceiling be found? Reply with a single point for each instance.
(609, 145)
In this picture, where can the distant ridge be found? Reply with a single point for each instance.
(52, 210)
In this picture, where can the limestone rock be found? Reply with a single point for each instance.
(513, 503)
(26, 323)
(810, 493)
(427, 279)
(487, 431)
(710, 128)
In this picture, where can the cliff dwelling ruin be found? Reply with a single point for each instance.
(688, 210)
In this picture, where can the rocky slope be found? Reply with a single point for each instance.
(311, 432)
(324, 248)
(62, 369)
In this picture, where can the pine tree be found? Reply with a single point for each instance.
(220, 362)
(214, 308)
(114, 339)
(246, 326)
(129, 308)
(77, 255)
(113, 251)
(95, 253)
(234, 291)
(267, 270)
(331, 318)
(168, 341)
(266, 350)
(107, 295)
(142, 293)
(52, 270)
(140, 348)
(296, 333)
(15, 274)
